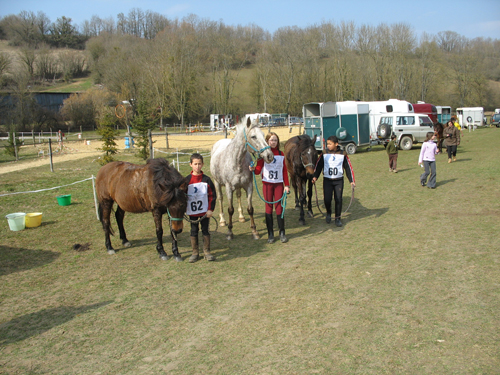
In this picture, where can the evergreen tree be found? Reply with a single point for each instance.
(108, 133)
(142, 123)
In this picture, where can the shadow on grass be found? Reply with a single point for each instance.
(15, 259)
(444, 182)
(36, 323)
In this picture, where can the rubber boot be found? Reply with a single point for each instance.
(270, 230)
(206, 249)
(196, 252)
(281, 225)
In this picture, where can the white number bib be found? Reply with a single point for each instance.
(197, 201)
(273, 172)
(333, 165)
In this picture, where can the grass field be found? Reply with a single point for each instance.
(409, 285)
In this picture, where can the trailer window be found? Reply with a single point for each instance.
(388, 108)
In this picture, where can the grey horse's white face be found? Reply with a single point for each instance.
(256, 138)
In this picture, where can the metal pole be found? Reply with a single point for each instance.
(95, 198)
(50, 155)
(166, 136)
(15, 145)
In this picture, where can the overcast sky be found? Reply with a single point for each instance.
(470, 18)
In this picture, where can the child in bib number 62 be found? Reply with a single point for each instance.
(274, 180)
(200, 203)
(333, 163)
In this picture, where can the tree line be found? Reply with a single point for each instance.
(183, 70)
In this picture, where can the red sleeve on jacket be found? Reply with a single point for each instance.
(259, 166)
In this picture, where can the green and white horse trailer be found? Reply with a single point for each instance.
(349, 121)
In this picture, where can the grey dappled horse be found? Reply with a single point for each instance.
(229, 167)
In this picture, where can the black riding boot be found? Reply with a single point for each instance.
(281, 225)
(270, 230)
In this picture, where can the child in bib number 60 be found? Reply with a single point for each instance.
(274, 180)
(333, 164)
(201, 202)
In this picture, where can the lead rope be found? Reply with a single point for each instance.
(347, 209)
(186, 217)
(282, 199)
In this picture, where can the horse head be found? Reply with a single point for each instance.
(176, 208)
(256, 142)
(171, 192)
(308, 155)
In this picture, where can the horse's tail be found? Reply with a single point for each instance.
(99, 211)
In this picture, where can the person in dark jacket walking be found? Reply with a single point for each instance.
(392, 151)
(333, 164)
(451, 140)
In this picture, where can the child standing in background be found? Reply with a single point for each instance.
(392, 151)
(428, 158)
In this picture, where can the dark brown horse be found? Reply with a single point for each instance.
(300, 159)
(438, 132)
(154, 187)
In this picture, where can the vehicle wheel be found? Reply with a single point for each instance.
(351, 148)
(406, 143)
(384, 131)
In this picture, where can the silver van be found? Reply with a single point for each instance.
(410, 128)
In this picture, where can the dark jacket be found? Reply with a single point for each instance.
(392, 148)
(346, 164)
(451, 136)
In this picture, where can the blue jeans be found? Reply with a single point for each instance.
(430, 168)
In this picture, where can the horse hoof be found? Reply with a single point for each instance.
(222, 224)
(111, 252)
(179, 259)
(229, 237)
(241, 220)
(310, 214)
(297, 208)
(256, 237)
(164, 257)
(127, 244)
(302, 222)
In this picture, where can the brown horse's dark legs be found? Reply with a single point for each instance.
(255, 234)
(309, 198)
(119, 215)
(104, 215)
(175, 250)
(159, 235)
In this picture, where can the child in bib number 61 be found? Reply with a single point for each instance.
(274, 180)
(333, 164)
(201, 202)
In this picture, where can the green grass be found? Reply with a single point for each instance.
(409, 285)
(76, 85)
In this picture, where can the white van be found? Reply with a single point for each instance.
(410, 128)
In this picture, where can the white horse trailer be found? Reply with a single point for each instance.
(470, 116)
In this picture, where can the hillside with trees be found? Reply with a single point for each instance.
(183, 70)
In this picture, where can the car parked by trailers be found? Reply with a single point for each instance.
(409, 128)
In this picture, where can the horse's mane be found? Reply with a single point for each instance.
(304, 141)
(165, 178)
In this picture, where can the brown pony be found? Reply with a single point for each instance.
(438, 132)
(154, 187)
(300, 159)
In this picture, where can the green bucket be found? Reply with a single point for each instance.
(64, 200)
(16, 221)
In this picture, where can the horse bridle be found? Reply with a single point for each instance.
(170, 219)
(302, 161)
(253, 148)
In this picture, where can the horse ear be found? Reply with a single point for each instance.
(249, 122)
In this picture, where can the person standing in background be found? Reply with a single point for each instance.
(392, 151)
